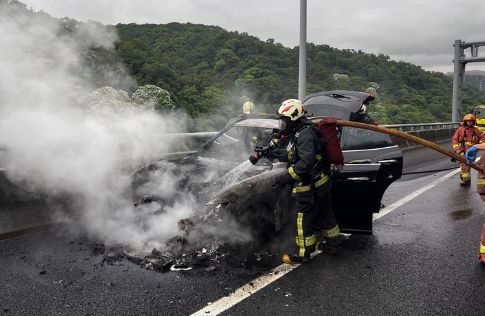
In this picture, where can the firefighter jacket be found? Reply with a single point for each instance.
(466, 137)
(305, 158)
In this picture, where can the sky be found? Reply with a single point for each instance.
(418, 31)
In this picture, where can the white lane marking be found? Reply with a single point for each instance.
(245, 291)
(260, 282)
(409, 197)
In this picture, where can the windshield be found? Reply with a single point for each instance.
(237, 143)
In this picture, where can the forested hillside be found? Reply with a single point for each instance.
(476, 79)
(209, 70)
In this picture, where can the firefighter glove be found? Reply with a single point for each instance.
(471, 154)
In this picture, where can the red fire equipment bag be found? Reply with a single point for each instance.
(330, 141)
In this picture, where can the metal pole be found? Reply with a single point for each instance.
(302, 56)
(457, 81)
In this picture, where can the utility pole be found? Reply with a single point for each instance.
(460, 62)
(458, 74)
(302, 52)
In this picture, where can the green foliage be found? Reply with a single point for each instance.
(210, 72)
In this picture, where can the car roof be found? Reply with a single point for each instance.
(339, 104)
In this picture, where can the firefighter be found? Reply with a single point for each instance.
(471, 154)
(361, 116)
(310, 177)
(248, 107)
(465, 137)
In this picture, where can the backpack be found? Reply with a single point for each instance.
(330, 142)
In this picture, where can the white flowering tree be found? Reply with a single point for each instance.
(342, 80)
(154, 97)
(108, 99)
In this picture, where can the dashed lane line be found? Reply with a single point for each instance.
(250, 288)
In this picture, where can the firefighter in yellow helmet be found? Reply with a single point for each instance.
(251, 135)
(465, 137)
(308, 172)
(471, 154)
(249, 108)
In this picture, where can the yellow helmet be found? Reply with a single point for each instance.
(248, 107)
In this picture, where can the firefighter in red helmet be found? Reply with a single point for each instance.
(465, 137)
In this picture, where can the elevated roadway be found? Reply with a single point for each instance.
(422, 259)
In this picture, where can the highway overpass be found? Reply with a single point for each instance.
(422, 259)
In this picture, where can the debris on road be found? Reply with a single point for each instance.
(114, 258)
(98, 248)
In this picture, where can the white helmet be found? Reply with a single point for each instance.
(291, 108)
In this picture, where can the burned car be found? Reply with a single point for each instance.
(221, 181)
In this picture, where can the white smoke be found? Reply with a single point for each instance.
(62, 143)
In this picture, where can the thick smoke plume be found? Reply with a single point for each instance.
(66, 142)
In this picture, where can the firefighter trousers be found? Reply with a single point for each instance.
(314, 209)
(465, 173)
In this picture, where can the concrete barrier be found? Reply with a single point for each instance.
(435, 136)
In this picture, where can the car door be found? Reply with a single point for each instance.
(372, 163)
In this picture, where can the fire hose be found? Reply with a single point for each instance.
(409, 137)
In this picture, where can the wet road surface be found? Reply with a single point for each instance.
(422, 259)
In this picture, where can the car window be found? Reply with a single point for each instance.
(357, 138)
(237, 143)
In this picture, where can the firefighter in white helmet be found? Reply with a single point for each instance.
(309, 173)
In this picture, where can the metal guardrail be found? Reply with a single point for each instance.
(423, 126)
(400, 127)
(195, 135)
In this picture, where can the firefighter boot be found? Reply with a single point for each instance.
(465, 179)
(464, 182)
(331, 245)
(481, 256)
(295, 257)
(332, 240)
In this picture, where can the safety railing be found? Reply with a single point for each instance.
(423, 126)
(195, 135)
(400, 127)
(201, 136)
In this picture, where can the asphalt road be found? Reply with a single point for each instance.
(422, 259)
